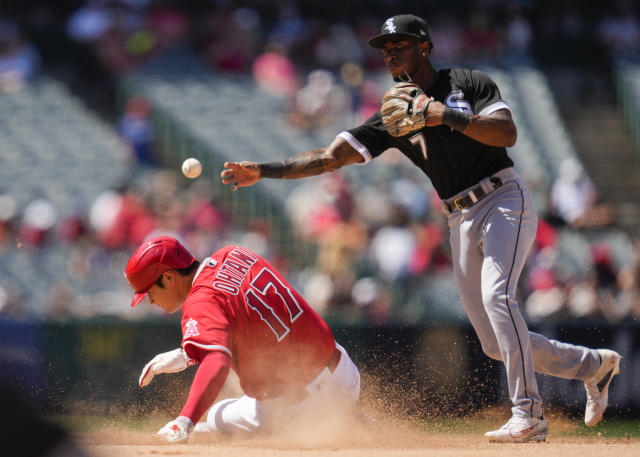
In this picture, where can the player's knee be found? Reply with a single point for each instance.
(243, 414)
(492, 351)
(492, 296)
(489, 343)
(497, 298)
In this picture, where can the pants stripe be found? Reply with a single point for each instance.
(524, 376)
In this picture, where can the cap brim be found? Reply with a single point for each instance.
(379, 40)
(137, 298)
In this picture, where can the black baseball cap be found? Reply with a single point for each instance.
(406, 25)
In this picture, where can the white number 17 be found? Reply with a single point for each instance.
(419, 139)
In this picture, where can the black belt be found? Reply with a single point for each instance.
(472, 197)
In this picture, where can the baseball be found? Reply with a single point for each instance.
(191, 168)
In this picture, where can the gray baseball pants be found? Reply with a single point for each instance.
(489, 243)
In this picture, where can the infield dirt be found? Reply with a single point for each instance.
(370, 438)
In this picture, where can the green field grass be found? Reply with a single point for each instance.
(617, 428)
(612, 428)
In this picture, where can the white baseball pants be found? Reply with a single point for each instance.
(328, 392)
(489, 243)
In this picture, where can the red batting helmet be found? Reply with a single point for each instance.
(151, 259)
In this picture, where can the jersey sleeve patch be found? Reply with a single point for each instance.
(205, 324)
(191, 329)
(355, 144)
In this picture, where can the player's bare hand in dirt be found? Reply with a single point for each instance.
(176, 431)
(240, 174)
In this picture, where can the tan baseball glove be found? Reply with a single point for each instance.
(404, 108)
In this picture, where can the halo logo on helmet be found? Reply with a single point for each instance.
(151, 260)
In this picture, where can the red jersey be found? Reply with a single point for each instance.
(239, 304)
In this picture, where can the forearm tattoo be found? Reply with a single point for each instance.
(310, 163)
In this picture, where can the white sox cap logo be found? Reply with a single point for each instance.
(389, 26)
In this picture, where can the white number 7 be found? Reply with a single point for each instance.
(419, 139)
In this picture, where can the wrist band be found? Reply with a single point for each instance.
(457, 120)
(271, 170)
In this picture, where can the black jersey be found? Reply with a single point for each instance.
(452, 160)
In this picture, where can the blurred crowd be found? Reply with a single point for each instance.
(79, 252)
(378, 243)
(19, 59)
(375, 243)
(309, 34)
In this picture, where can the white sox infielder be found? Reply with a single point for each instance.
(453, 124)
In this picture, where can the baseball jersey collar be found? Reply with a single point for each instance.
(202, 265)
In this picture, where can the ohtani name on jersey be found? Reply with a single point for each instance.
(233, 271)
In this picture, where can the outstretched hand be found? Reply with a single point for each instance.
(240, 174)
(176, 431)
(167, 362)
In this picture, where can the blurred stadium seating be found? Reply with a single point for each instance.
(199, 110)
(230, 117)
(219, 118)
(64, 311)
(53, 149)
(628, 85)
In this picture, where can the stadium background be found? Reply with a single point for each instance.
(101, 101)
